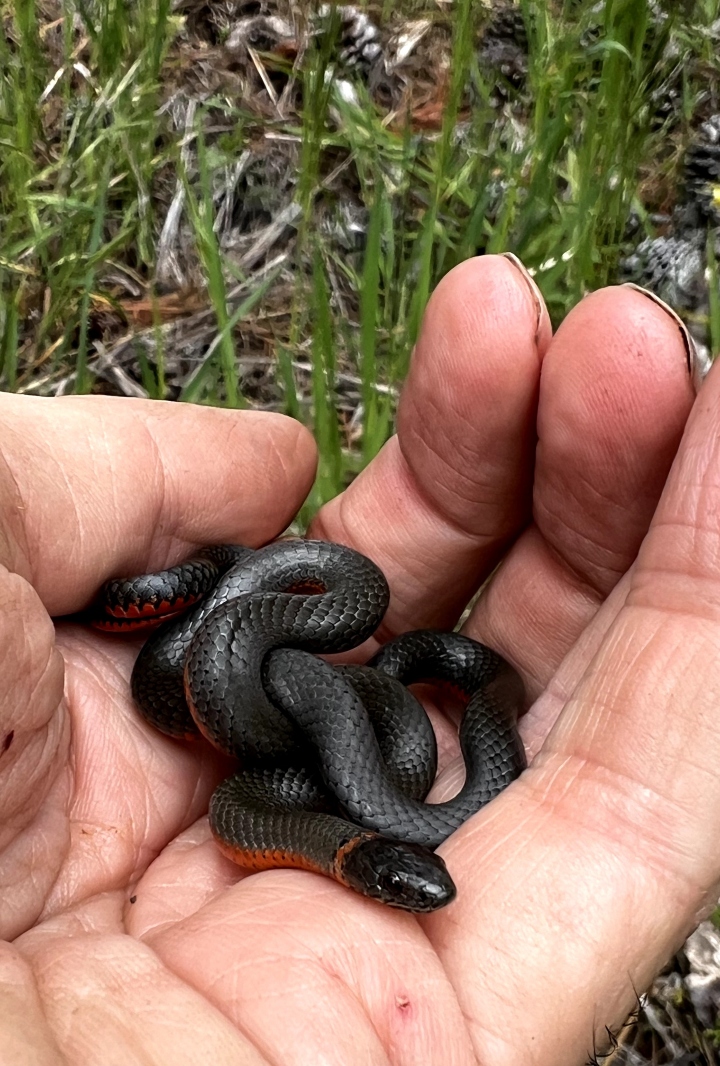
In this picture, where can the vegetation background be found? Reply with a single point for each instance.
(248, 203)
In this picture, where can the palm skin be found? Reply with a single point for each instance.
(130, 939)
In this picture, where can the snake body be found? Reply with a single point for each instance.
(335, 762)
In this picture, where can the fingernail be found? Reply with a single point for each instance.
(530, 282)
(698, 361)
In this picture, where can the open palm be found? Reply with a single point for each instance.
(130, 938)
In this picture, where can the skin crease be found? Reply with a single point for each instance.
(130, 939)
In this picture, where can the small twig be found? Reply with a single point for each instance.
(264, 78)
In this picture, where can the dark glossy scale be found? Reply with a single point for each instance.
(489, 740)
(268, 818)
(241, 649)
(404, 732)
(335, 721)
(223, 668)
(157, 679)
(157, 682)
(168, 592)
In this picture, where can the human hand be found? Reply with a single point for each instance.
(90, 797)
(561, 909)
(576, 884)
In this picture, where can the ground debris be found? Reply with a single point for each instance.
(233, 74)
(677, 1022)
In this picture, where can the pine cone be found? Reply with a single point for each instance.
(504, 45)
(359, 41)
(671, 267)
(702, 171)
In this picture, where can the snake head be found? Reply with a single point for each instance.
(407, 876)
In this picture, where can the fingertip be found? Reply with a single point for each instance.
(289, 433)
(443, 498)
(544, 326)
(698, 362)
(286, 442)
(615, 394)
(618, 357)
(480, 314)
(466, 420)
(245, 479)
(627, 313)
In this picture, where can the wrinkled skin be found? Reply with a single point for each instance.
(130, 939)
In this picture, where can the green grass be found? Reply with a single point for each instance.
(89, 160)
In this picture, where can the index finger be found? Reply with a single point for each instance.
(97, 486)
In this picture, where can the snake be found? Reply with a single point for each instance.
(335, 762)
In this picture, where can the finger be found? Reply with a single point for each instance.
(34, 742)
(109, 999)
(599, 860)
(439, 505)
(97, 486)
(25, 1036)
(537, 722)
(615, 394)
